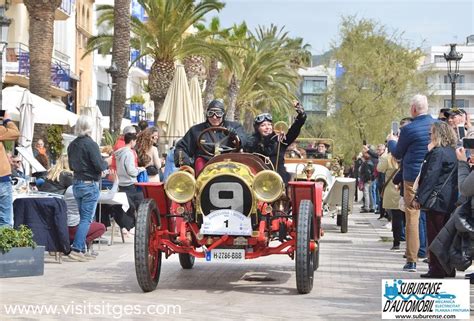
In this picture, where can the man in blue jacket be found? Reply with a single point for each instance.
(411, 148)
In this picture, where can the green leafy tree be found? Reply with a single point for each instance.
(379, 79)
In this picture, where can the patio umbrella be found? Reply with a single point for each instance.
(45, 111)
(27, 120)
(196, 97)
(92, 110)
(176, 116)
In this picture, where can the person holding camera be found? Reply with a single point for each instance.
(410, 147)
(8, 132)
(266, 142)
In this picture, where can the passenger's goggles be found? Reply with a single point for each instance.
(263, 117)
(217, 113)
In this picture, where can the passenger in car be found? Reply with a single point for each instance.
(264, 141)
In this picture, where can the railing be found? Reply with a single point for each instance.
(18, 62)
(459, 86)
(104, 106)
(144, 63)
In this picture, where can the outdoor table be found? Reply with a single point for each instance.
(46, 216)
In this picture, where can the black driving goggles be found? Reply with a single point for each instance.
(263, 117)
(217, 113)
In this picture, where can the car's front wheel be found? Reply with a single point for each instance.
(147, 256)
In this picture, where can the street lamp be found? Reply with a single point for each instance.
(453, 58)
(112, 71)
(4, 24)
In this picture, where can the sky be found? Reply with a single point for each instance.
(424, 23)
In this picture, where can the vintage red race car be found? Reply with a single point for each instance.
(235, 209)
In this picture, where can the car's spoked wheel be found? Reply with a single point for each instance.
(304, 255)
(186, 260)
(345, 209)
(147, 257)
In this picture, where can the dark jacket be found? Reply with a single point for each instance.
(85, 159)
(367, 171)
(188, 144)
(268, 145)
(412, 145)
(439, 175)
(453, 244)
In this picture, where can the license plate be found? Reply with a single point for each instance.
(225, 255)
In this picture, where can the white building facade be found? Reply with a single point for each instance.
(439, 82)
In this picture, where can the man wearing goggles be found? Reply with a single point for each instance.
(187, 151)
(266, 142)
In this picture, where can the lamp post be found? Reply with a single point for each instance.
(4, 24)
(112, 71)
(452, 59)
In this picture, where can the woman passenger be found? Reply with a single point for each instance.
(266, 142)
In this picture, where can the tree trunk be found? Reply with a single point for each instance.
(121, 57)
(211, 82)
(159, 81)
(233, 93)
(41, 40)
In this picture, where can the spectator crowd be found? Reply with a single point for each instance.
(421, 181)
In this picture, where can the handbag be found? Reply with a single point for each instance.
(433, 198)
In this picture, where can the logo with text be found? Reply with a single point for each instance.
(420, 299)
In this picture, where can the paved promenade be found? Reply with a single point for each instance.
(347, 285)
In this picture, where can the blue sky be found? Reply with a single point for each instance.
(423, 22)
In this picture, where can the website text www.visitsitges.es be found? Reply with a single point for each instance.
(86, 308)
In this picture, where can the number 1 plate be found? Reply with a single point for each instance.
(225, 255)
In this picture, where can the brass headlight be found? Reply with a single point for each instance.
(180, 187)
(268, 186)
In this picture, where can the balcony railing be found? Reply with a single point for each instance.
(459, 86)
(144, 63)
(18, 62)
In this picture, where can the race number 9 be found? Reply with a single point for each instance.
(227, 195)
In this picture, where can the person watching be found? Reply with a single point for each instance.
(187, 148)
(411, 147)
(321, 151)
(128, 172)
(87, 165)
(8, 132)
(264, 141)
(438, 175)
(17, 167)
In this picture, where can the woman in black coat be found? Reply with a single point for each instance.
(266, 142)
(438, 176)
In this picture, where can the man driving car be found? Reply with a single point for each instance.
(187, 148)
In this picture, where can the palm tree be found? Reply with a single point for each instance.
(238, 45)
(265, 77)
(164, 37)
(41, 32)
(215, 35)
(121, 57)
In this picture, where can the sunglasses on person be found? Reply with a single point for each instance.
(263, 117)
(217, 113)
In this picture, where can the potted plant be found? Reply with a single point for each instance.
(19, 254)
(136, 107)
